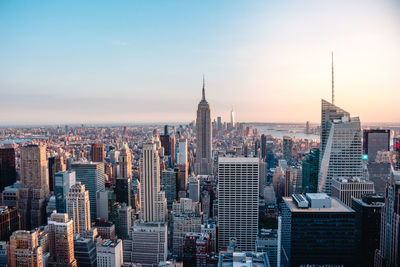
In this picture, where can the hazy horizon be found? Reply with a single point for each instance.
(77, 62)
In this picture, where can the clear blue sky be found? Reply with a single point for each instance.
(141, 61)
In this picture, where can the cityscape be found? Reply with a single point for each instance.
(214, 183)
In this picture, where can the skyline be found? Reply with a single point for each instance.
(132, 62)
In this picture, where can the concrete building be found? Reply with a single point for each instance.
(125, 162)
(34, 189)
(85, 252)
(288, 149)
(204, 156)
(194, 189)
(169, 180)
(152, 204)
(211, 231)
(24, 250)
(238, 202)
(97, 152)
(90, 174)
(346, 188)
(109, 253)
(9, 222)
(124, 221)
(105, 229)
(148, 245)
(10, 196)
(389, 250)
(62, 183)
(182, 158)
(196, 249)
(310, 227)
(61, 241)
(78, 207)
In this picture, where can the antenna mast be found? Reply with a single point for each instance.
(333, 84)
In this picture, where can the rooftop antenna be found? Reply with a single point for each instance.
(204, 90)
(333, 84)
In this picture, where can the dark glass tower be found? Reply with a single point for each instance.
(7, 167)
(310, 171)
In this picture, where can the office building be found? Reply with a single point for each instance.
(125, 162)
(311, 225)
(62, 183)
(237, 258)
(204, 157)
(182, 152)
(55, 164)
(9, 222)
(396, 150)
(269, 242)
(345, 189)
(61, 240)
(104, 204)
(3, 254)
(109, 253)
(10, 196)
(310, 169)
(78, 207)
(186, 218)
(123, 190)
(34, 189)
(7, 167)
(238, 202)
(288, 149)
(169, 184)
(85, 252)
(168, 143)
(368, 226)
(152, 202)
(105, 229)
(124, 221)
(211, 230)
(194, 188)
(90, 174)
(196, 249)
(388, 253)
(148, 245)
(24, 249)
(341, 150)
(380, 170)
(375, 140)
(97, 152)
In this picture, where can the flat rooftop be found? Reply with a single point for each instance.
(238, 160)
(336, 206)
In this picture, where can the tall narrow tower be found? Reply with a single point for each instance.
(34, 189)
(153, 203)
(204, 160)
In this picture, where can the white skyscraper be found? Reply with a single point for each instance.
(78, 207)
(232, 118)
(152, 205)
(182, 152)
(342, 151)
(109, 253)
(238, 202)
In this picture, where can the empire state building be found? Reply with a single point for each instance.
(204, 162)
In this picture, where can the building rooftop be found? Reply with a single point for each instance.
(336, 205)
(109, 243)
(238, 159)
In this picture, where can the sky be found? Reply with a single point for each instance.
(143, 61)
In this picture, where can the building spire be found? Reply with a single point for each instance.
(333, 84)
(204, 90)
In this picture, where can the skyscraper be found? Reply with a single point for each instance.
(182, 152)
(368, 226)
(90, 174)
(7, 167)
(97, 152)
(123, 190)
(388, 253)
(375, 140)
(238, 202)
(310, 169)
(62, 183)
(125, 162)
(341, 146)
(109, 253)
(288, 149)
(78, 207)
(34, 190)
(232, 118)
(9, 222)
(150, 184)
(318, 230)
(204, 157)
(24, 249)
(61, 240)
